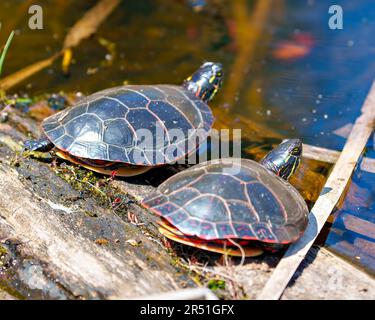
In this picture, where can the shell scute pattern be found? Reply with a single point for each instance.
(190, 225)
(208, 230)
(244, 231)
(266, 203)
(79, 148)
(181, 198)
(222, 185)
(175, 183)
(223, 199)
(118, 133)
(115, 152)
(225, 231)
(106, 124)
(173, 118)
(84, 128)
(57, 132)
(52, 125)
(264, 232)
(177, 216)
(73, 114)
(65, 142)
(240, 212)
(131, 98)
(207, 208)
(104, 108)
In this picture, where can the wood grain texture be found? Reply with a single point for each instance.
(331, 156)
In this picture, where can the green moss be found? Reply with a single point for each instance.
(91, 214)
(11, 291)
(3, 251)
(216, 284)
(45, 156)
(86, 180)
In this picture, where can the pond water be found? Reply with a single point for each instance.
(287, 75)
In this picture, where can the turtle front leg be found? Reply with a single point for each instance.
(42, 145)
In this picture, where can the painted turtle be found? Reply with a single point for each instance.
(237, 206)
(133, 128)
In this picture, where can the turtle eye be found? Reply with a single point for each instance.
(296, 150)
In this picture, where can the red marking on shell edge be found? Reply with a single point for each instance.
(232, 236)
(204, 237)
(186, 155)
(139, 164)
(113, 174)
(153, 210)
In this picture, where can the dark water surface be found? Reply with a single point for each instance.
(287, 75)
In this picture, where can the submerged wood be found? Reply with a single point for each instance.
(332, 192)
(358, 225)
(81, 30)
(85, 28)
(21, 75)
(331, 156)
(89, 23)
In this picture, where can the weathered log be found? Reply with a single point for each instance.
(328, 277)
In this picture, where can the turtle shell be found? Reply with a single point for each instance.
(137, 125)
(231, 199)
(222, 246)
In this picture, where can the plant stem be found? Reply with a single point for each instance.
(4, 51)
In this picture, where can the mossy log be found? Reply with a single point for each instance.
(61, 237)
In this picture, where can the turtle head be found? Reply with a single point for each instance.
(284, 159)
(206, 81)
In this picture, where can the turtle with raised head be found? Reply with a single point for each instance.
(234, 206)
(133, 128)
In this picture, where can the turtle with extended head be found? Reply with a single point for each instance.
(234, 206)
(133, 128)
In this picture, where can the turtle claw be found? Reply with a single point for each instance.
(38, 145)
